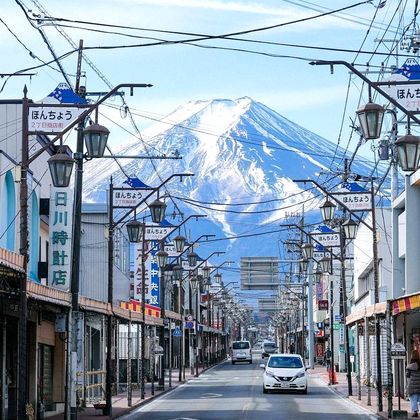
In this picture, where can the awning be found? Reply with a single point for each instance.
(367, 311)
(405, 303)
(48, 294)
(11, 260)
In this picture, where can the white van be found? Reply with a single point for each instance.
(241, 352)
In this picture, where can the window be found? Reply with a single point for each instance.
(285, 362)
(240, 345)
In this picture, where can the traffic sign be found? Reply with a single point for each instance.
(189, 324)
(177, 332)
(398, 351)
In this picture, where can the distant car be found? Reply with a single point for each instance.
(268, 348)
(241, 352)
(285, 372)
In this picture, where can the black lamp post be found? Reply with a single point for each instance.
(179, 242)
(61, 168)
(157, 210)
(328, 211)
(308, 251)
(96, 137)
(371, 117)
(350, 229)
(195, 285)
(192, 259)
(408, 149)
(134, 231)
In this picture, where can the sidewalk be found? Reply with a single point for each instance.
(119, 402)
(342, 389)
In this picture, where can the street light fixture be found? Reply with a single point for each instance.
(96, 137)
(218, 278)
(192, 259)
(408, 149)
(134, 231)
(308, 250)
(303, 265)
(324, 265)
(179, 242)
(157, 210)
(350, 229)
(162, 258)
(328, 211)
(206, 272)
(371, 117)
(61, 167)
(177, 272)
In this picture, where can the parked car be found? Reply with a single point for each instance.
(241, 352)
(285, 372)
(268, 347)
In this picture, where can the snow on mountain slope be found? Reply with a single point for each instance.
(240, 151)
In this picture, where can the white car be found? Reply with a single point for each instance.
(285, 372)
(241, 352)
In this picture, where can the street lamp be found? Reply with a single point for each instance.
(134, 231)
(61, 168)
(206, 272)
(303, 263)
(177, 272)
(350, 229)
(328, 211)
(324, 265)
(218, 278)
(408, 149)
(179, 242)
(96, 137)
(308, 251)
(192, 259)
(162, 258)
(157, 210)
(371, 117)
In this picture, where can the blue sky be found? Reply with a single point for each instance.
(309, 96)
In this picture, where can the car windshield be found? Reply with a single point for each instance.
(273, 345)
(291, 362)
(240, 345)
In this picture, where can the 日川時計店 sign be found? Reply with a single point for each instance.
(355, 201)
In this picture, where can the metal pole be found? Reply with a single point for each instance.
(129, 348)
(108, 375)
(181, 338)
(367, 355)
(389, 360)
(343, 307)
(332, 367)
(138, 355)
(143, 314)
(170, 354)
(162, 330)
(311, 332)
(376, 290)
(197, 321)
(357, 347)
(22, 367)
(75, 268)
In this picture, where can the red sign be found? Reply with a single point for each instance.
(322, 305)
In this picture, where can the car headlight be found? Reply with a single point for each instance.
(300, 374)
(269, 373)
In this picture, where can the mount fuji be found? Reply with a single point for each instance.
(244, 157)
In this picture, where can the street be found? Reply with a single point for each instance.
(235, 392)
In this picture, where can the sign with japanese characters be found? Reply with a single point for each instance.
(323, 305)
(126, 197)
(59, 258)
(157, 232)
(407, 95)
(51, 119)
(354, 196)
(151, 275)
(326, 236)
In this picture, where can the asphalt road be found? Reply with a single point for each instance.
(235, 392)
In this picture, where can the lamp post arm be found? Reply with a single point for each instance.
(328, 194)
(151, 193)
(373, 85)
(83, 115)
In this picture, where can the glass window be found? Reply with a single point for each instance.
(240, 345)
(290, 362)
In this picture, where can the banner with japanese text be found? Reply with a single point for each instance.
(60, 238)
